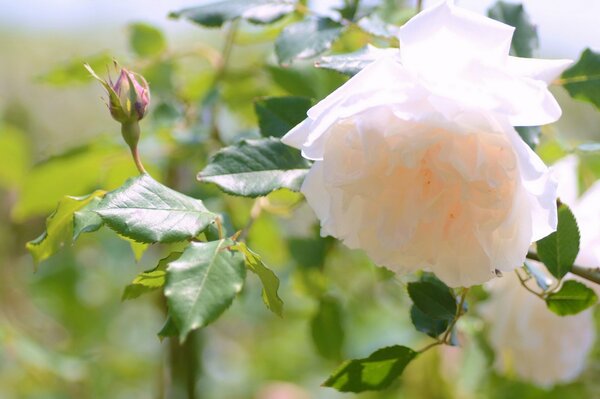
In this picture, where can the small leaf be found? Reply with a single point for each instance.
(146, 211)
(169, 329)
(278, 115)
(542, 280)
(327, 330)
(306, 39)
(582, 80)
(202, 283)
(525, 39)
(433, 299)
(373, 373)
(253, 168)
(146, 40)
(216, 13)
(530, 135)
(150, 280)
(572, 298)
(426, 324)
(86, 220)
(59, 227)
(559, 250)
(269, 280)
(352, 63)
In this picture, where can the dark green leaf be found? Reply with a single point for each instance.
(525, 39)
(278, 115)
(327, 330)
(146, 211)
(433, 299)
(86, 220)
(216, 13)
(59, 227)
(169, 329)
(202, 283)
(373, 373)
(146, 40)
(306, 39)
(252, 168)
(425, 324)
(150, 280)
(559, 250)
(582, 80)
(269, 280)
(572, 298)
(530, 134)
(352, 63)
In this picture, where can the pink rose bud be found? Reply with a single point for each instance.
(128, 97)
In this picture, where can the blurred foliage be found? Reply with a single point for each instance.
(64, 331)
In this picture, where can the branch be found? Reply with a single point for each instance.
(592, 274)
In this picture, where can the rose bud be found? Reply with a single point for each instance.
(416, 158)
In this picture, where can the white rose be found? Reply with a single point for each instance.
(535, 343)
(416, 159)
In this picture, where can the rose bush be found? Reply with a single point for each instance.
(416, 158)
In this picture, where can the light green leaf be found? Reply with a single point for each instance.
(86, 220)
(434, 299)
(146, 211)
(269, 280)
(525, 38)
(253, 168)
(373, 373)
(216, 13)
(73, 73)
(146, 40)
(14, 157)
(306, 39)
(59, 227)
(559, 250)
(352, 63)
(278, 115)
(202, 283)
(150, 280)
(327, 330)
(138, 248)
(582, 80)
(426, 324)
(572, 298)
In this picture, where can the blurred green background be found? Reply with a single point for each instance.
(64, 331)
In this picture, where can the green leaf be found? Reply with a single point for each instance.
(433, 299)
(216, 13)
(559, 250)
(73, 73)
(150, 280)
(525, 38)
(530, 135)
(572, 298)
(582, 80)
(373, 373)
(269, 280)
(327, 330)
(86, 220)
(169, 329)
(352, 63)
(202, 283)
(374, 25)
(14, 157)
(306, 39)
(145, 40)
(146, 211)
(59, 227)
(253, 168)
(426, 324)
(278, 115)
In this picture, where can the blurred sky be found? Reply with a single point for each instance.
(565, 27)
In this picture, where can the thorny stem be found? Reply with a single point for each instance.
(592, 274)
(447, 334)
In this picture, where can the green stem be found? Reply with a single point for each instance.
(590, 274)
(131, 135)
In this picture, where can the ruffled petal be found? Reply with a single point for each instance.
(538, 69)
